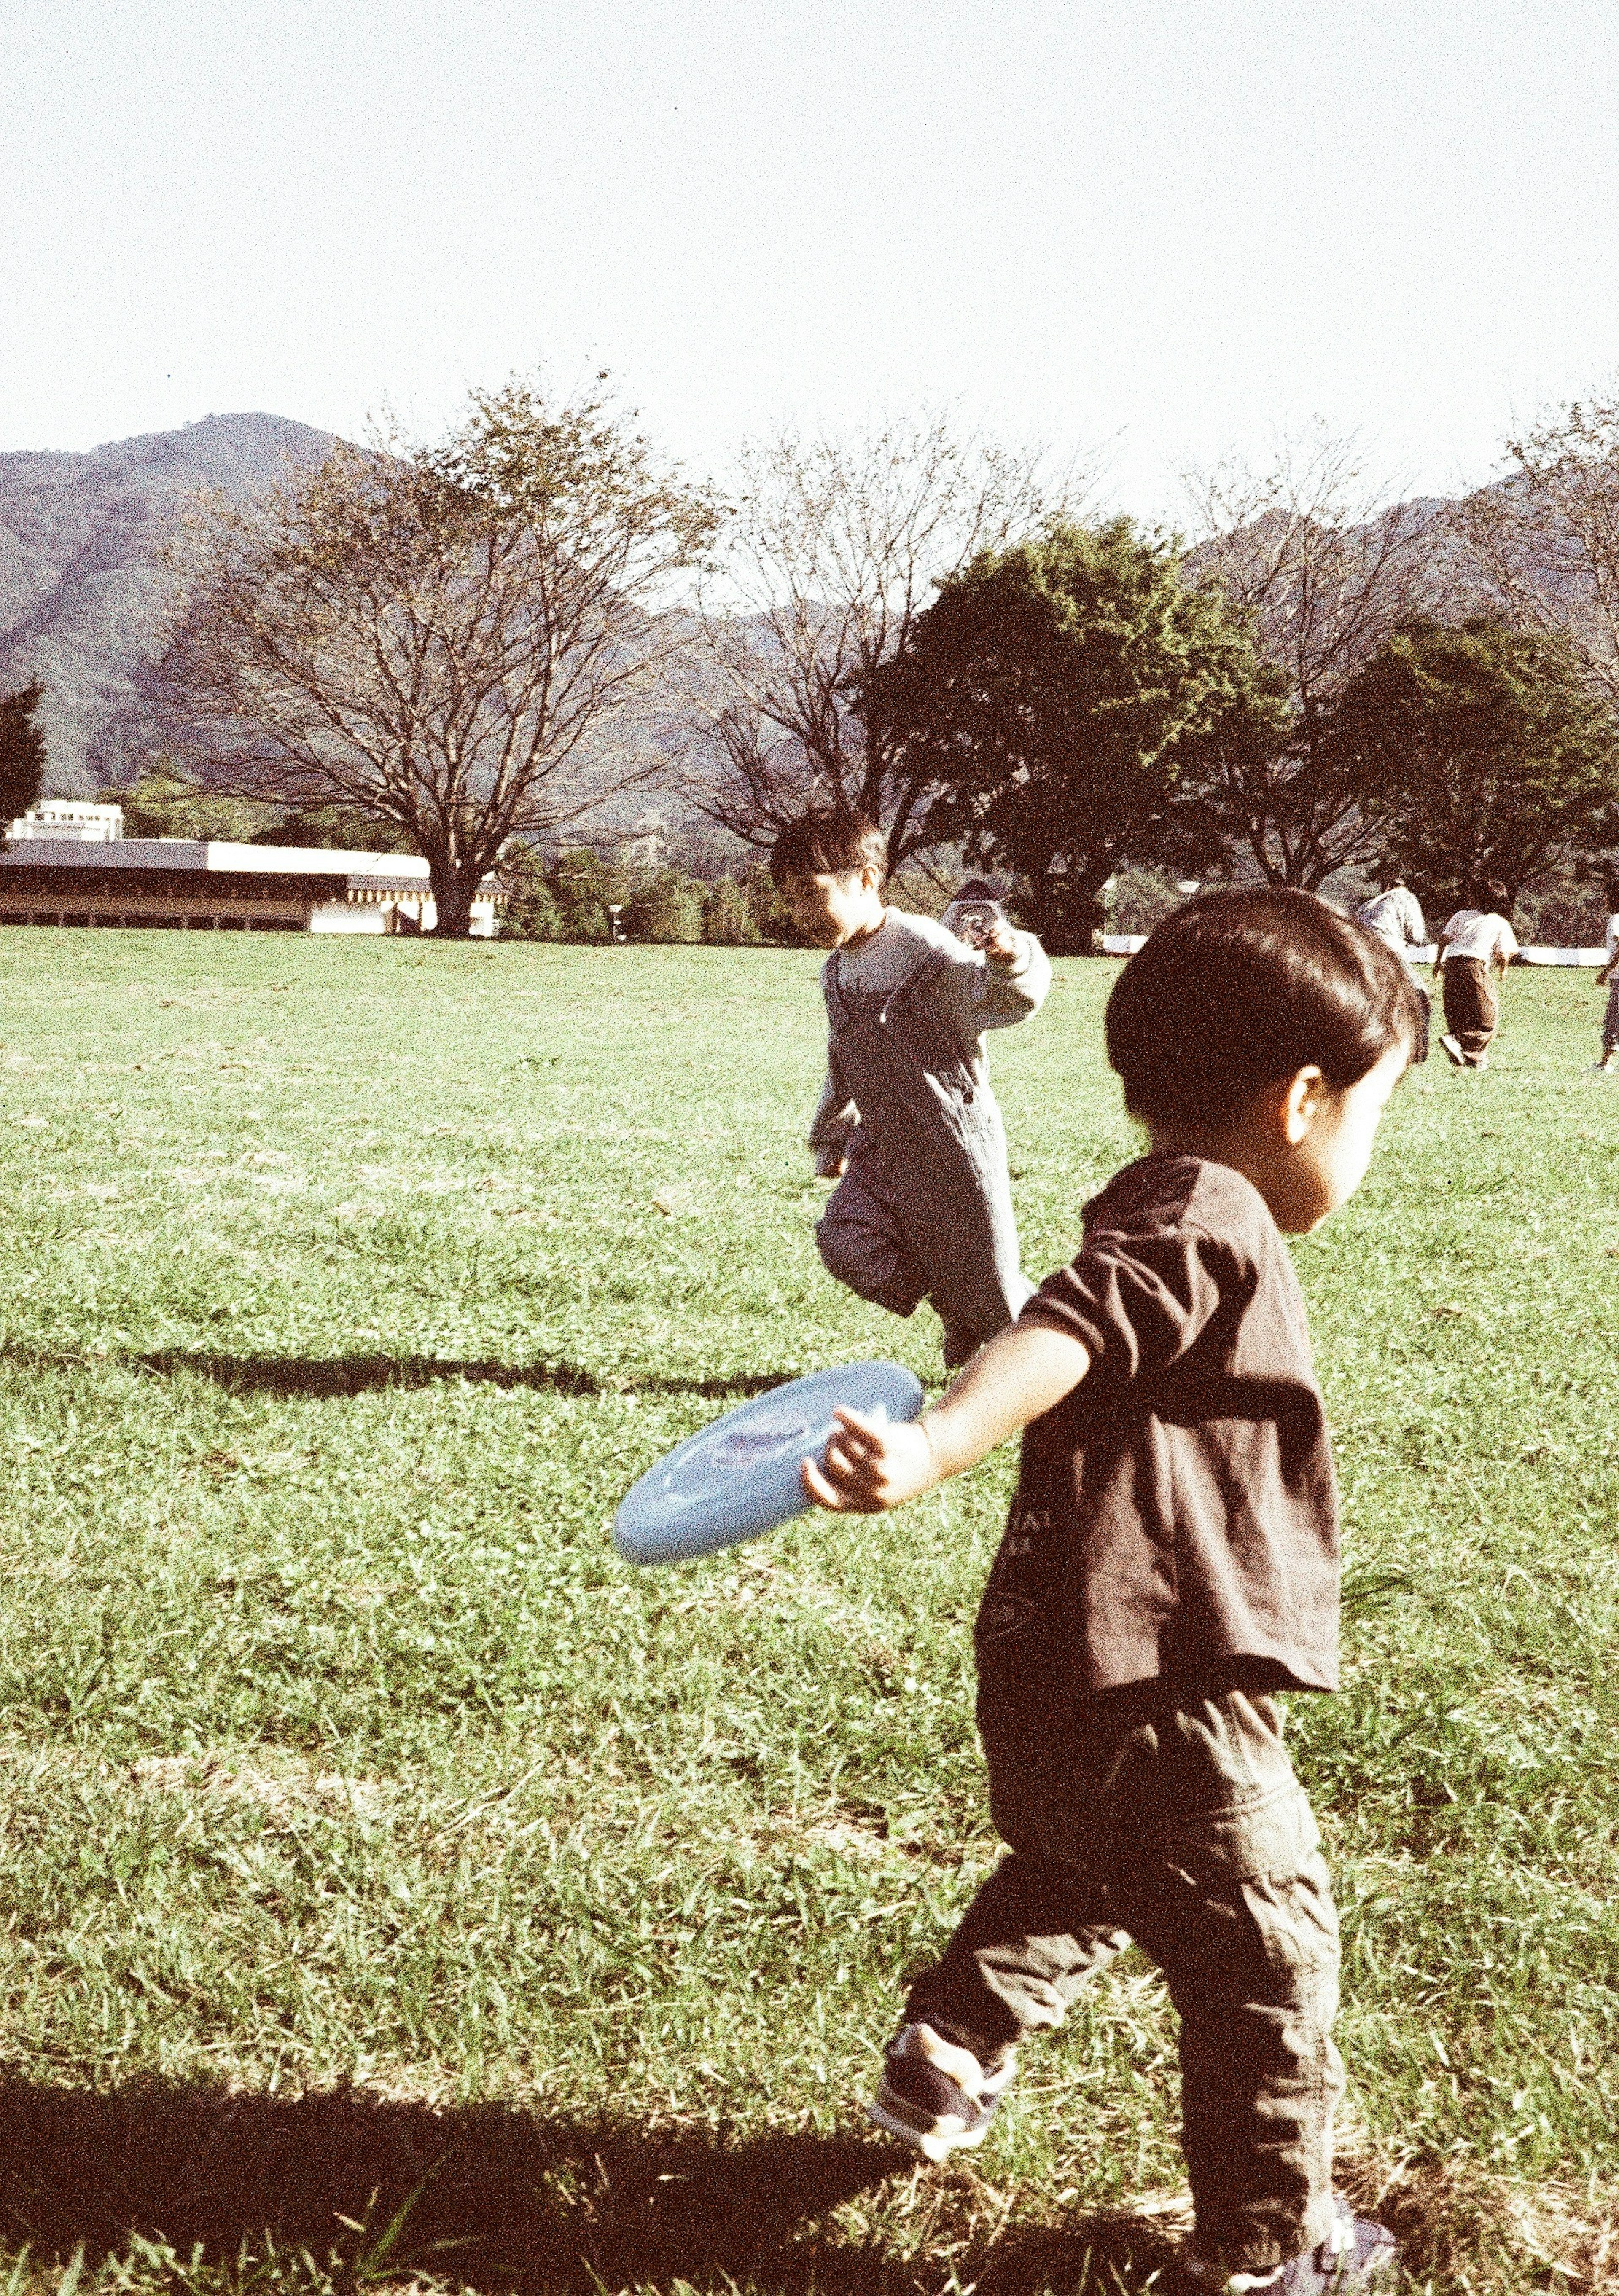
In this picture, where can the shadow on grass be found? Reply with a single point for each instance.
(503, 2200)
(365, 1375)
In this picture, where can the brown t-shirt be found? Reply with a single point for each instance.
(1176, 1516)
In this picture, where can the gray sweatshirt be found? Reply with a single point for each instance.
(967, 996)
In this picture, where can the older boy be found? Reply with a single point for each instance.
(1474, 949)
(1608, 979)
(924, 1206)
(1395, 917)
(1170, 1562)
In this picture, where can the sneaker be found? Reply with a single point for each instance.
(1451, 1049)
(935, 2097)
(1356, 2254)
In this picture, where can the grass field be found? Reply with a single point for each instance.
(395, 1888)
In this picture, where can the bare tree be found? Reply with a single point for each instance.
(1322, 567)
(432, 634)
(835, 545)
(1545, 544)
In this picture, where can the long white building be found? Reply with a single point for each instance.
(66, 864)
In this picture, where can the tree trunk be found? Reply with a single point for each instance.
(453, 893)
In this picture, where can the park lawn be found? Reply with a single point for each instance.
(395, 1888)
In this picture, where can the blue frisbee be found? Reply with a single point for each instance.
(740, 1477)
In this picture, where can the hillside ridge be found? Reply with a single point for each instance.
(82, 587)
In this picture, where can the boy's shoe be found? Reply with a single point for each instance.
(1356, 2254)
(935, 2097)
(1451, 1049)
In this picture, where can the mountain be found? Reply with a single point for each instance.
(82, 588)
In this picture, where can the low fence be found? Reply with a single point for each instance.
(1127, 944)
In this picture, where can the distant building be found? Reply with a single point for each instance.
(65, 821)
(72, 873)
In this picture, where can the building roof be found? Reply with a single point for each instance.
(406, 873)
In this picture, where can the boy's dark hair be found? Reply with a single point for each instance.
(833, 842)
(1238, 990)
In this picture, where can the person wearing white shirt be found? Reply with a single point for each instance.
(1608, 978)
(1395, 918)
(1474, 949)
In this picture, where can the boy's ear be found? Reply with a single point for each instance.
(1301, 1097)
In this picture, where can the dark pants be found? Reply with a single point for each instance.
(1180, 1826)
(1472, 1008)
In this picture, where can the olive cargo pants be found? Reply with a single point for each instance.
(1179, 1824)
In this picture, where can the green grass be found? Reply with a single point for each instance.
(374, 1841)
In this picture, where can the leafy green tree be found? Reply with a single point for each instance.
(770, 917)
(1482, 756)
(726, 920)
(532, 911)
(664, 905)
(1051, 696)
(165, 802)
(586, 890)
(21, 752)
(339, 828)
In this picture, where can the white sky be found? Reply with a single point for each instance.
(1181, 224)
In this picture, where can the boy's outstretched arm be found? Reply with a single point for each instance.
(869, 1466)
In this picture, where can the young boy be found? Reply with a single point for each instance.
(1473, 950)
(924, 1207)
(1608, 979)
(1169, 1563)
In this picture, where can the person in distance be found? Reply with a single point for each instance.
(1395, 917)
(1473, 950)
(907, 1123)
(1608, 979)
(1171, 1564)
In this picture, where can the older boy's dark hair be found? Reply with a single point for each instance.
(833, 842)
(1238, 990)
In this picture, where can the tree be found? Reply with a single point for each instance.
(432, 635)
(1322, 568)
(834, 546)
(531, 910)
(665, 906)
(1481, 756)
(726, 920)
(587, 889)
(1048, 698)
(1546, 543)
(21, 752)
(165, 803)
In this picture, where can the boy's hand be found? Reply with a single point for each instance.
(1000, 943)
(869, 1466)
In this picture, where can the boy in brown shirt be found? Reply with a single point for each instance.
(1169, 1563)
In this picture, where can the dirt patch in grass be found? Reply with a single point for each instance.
(283, 1796)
